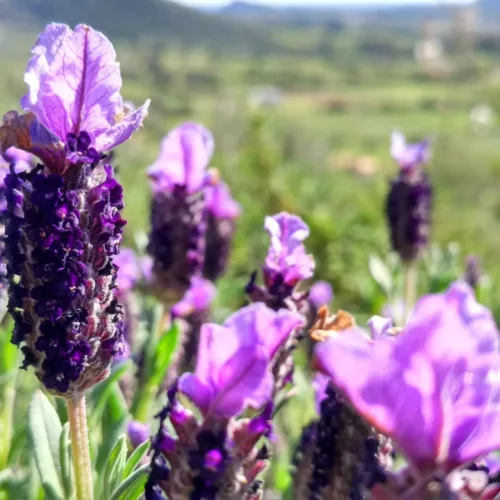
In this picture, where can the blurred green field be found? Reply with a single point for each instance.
(322, 152)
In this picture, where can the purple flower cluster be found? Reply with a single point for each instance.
(192, 213)
(409, 202)
(63, 217)
(438, 394)
(287, 262)
(234, 372)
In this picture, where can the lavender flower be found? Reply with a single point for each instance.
(222, 213)
(286, 263)
(138, 433)
(473, 273)
(409, 201)
(215, 458)
(320, 294)
(437, 395)
(63, 221)
(178, 219)
(233, 369)
(192, 311)
(128, 276)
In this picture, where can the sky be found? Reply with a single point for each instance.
(319, 2)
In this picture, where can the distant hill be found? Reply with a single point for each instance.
(134, 20)
(372, 14)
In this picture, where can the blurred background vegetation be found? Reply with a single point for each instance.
(302, 102)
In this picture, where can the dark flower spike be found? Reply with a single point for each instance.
(222, 212)
(409, 202)
(63, 217)
(178, 215)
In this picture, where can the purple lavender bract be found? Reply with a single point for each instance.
(438, 393)
(222, 212)
(409, 201)
(178, 218)
(63, 217)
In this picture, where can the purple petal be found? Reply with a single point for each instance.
(406, 155)
(286, 254)
(435, 388)
(220, 203)
(319, 384)
(199, 297)
(244, 381)
(74, 85)
(320, 294)
(198, 392)
(264, 326)
(137, 433)
(379, 327)
(184, 157)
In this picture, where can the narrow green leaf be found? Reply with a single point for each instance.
(164, 350)
(380, 273)
(116, 464)
(65, 459)
(44, 430)
(114, 418)
(99, 396)
(133, 487)
(135, 458)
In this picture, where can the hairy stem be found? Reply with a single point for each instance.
(410, 288)
(80, 447)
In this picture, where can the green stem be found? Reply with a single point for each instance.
(410, 290)
(9, 399)
(80, 447)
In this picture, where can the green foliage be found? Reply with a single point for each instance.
(45, 430)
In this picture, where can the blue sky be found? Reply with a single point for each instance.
(319, 2)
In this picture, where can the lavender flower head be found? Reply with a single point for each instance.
(128, 270)
(233, 370)
(434, 388)
(286, 264)
(178, 219)
(222, 212)
(217, 456)
(63, 218)
(198, 298)
(409, 201)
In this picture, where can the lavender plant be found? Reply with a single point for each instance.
(63, 220)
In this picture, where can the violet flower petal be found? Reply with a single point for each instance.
(435, 388)
(220, 203)
(199, 297)
(287, 256)
(184, 157)
(320, 294)
(128, 270)
(406, 155)
(74, 84)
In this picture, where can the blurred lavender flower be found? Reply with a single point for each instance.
(438, 393)
(473, 272)
(192, 311)
(63, 218)
(178, 219)
(218, 457)
(286, 263)
(222, 211)
(233, 369)
(128, 276)
(409, 201)
(320, 294)
(137, 433)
